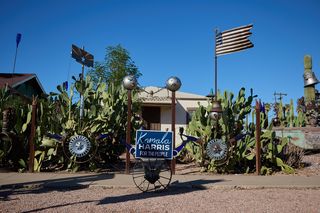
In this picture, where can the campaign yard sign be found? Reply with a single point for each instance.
(154, 144)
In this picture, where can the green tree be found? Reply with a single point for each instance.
(116, 66)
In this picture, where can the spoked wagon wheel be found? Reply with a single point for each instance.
(152, 174)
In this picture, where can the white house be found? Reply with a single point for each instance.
(156, 108)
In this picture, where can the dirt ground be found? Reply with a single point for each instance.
(312, 165)
(173, 200)
(99, 199)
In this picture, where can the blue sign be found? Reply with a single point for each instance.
(154, 144)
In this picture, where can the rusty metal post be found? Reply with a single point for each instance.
(215, 68)
(128, 133)
(258, 144)
(32, 134)
(173, 128)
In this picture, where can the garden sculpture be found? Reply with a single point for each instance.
(153, 173)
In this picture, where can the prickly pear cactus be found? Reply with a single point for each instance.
(230, 124)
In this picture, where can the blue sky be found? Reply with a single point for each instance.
(166, 38)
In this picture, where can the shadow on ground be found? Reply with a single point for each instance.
(175, 188)
(43, 186)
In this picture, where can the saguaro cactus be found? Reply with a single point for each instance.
(310, 80)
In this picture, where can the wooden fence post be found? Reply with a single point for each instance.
(258, 144)
(128, 132)
(173, 129)
(32, 134)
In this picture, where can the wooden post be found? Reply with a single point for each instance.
(258, 144)
(128, 133)
(32, 134)
(173, 128)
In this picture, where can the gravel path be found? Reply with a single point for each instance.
(98, 199)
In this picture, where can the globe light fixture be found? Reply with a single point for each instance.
(173, 84)
(129, 82)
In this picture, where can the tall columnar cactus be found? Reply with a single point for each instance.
(310, 80)
(309, 88)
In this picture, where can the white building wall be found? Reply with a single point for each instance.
(181, 116)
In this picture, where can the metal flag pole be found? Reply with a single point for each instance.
(216, 105)
(215, 67)
(81, 96)
(15, 59)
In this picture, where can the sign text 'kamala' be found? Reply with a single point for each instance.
(154, 144)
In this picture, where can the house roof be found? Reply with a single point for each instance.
(15, 79)
(157, 95)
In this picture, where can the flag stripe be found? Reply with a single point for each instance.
(233, 37)
(237, 30)
(233, 40)
(232, 43)
(234, 49)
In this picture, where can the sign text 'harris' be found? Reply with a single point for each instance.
(154, 144)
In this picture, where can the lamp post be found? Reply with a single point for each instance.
(173, 84)
(129, 83)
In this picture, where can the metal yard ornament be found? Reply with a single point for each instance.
(79, 146)
(152, 171)
(129, 83)
(82, 56)
(217, 149)
(216, 110)
(85, 59)
(310, 79)
(76, 148)
(18, 39)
